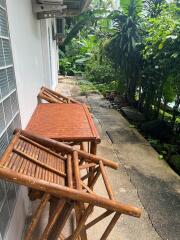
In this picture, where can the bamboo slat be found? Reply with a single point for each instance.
(54, 97)
(76, 170)
(9, 149)
(63, 147)
(42, 147)
(39, 162)
(69, 171)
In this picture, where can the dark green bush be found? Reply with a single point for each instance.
(100, 72)
(175, 162)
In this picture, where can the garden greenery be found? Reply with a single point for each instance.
(135, 46)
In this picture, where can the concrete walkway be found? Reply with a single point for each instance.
(142, 179)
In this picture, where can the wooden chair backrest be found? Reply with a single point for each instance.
(54, 97)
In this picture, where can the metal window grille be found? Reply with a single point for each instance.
(9, 117)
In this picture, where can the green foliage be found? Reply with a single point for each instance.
(123, 47)
(161, 62)
(100, 72)
(87, 87)
(134, 49)
(175, 162)
(169, 92)
(114, 86)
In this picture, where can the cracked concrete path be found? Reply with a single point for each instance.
(141, 180)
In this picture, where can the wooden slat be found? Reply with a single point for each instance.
(98, 219)
(53, 96)
(69, 171)
(59, 95)
(36, 216)
(50, 94)
(48, 99)
(9, 149)
(106, 181)
(42, 147)
(68, 149)
(55, 99)
(76, 170)
(39, 163)
(110, 226)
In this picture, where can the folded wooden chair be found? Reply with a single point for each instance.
(54, 169)
(54, 97)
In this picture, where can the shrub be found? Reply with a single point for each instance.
(100, 73)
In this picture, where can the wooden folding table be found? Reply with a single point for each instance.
(65, 123)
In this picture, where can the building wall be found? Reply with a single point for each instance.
(35, 62)
(34, 56)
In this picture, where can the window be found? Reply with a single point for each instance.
(9, 117)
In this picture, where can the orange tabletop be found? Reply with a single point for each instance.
(63, 122)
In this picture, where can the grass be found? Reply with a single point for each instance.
(90, 87)
(87, 87)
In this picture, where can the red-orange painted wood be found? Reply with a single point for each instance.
(63, 122)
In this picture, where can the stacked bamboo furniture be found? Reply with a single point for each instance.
(54, 170)
(53, 97)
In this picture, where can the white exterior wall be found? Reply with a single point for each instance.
(35, 63)
(35, 58)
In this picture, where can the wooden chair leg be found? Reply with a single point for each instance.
(98, 219)
(94, 180)
(93, 150)
(81, 223)
(79, 210)
(63, 219)
(106, 181)
(83, 146)
(36, 216)
(53, 219)
(110, 226)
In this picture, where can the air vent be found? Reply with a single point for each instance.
(50, 1)
(60, 24)
(48, 8)
(60, 30)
